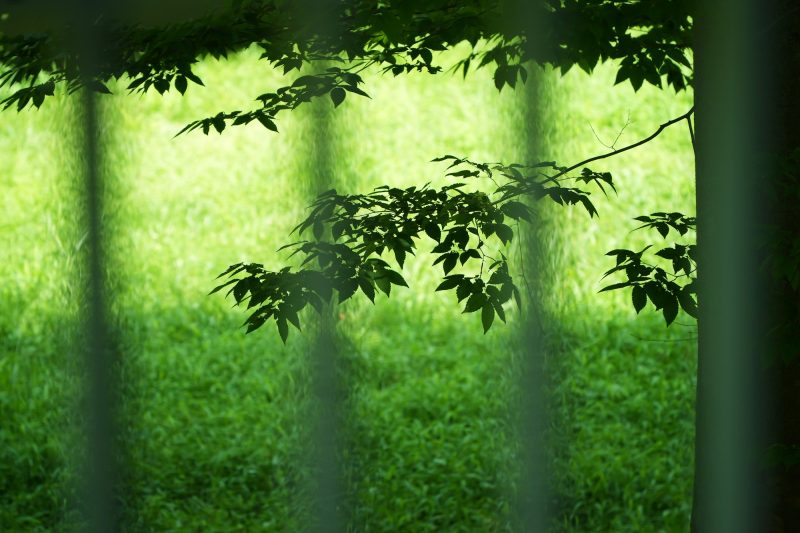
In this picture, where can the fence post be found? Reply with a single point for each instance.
(101, 469)
(533, 495)
(730, 172)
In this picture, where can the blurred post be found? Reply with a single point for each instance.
(101, 469)
(731, 124)
(532, 513)
(321, 19)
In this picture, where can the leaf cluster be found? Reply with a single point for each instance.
(353, 239)
(667, 291)
(650, 38)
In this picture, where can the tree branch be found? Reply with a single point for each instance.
(661, 128)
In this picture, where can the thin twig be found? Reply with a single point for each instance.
(630, 146)
(596, 136)
(627, 123)
(613, 144)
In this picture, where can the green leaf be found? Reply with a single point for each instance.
(254, 323)
(487, 316)
(616, 286)
(192, 76)
(516, 210)
(517, 297)
(219, 123)
(283, 328)
(337, 96)
(38, 99)
(504, 233)
(637, 78)
(687, 302)
(346, 289)
(475, 302)
(433, 231)
(356, 90)
(384, 285)
(670, 308)
(220, 287)
(667, 253)
(291, 315)
(472, 253)
(450, 282)
(656, 293)
(450, 262)
(99, 87)
(395, 277)
(367, 288)
(267, 123)
(181, 84)
(499, 78)
(464, 289)
(623, 74)
(319, 229)
(160, 84)
(498, 307)
(399, 255)
(639, 298)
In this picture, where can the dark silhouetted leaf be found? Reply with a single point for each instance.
(450, 282)
(464, 289)
(475, 302)
(670, 308)
(687, 302)
(616, 286)
(450, 262)
(639, 298)
(384, 285)
(337, 96)
(516, 210)
(267, 123)
(181, 84)
(487, 316)
(346, 289)
(433, 231)
(395, 277)
(367, 288)
(283, 328)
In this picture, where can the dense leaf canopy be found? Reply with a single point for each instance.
(649, 38)
(322, 47)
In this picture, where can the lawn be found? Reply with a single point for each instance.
(212, 420)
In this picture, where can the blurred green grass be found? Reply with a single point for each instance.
(213, 429)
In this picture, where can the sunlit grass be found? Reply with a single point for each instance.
(214, 434)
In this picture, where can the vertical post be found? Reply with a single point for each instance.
(100, 483)
(532, 508)
(730, 127)
(321, 20)
(100, 469)
(324, 360)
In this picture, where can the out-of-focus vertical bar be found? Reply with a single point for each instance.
(532, 498)
(730, 131)
(324, 358)
(533, 495)
(100, 480)
(320, 17)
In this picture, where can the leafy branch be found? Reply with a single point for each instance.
(353, 238)
(668, 292)
(397, 37)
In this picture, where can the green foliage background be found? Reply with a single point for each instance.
(212, 425)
